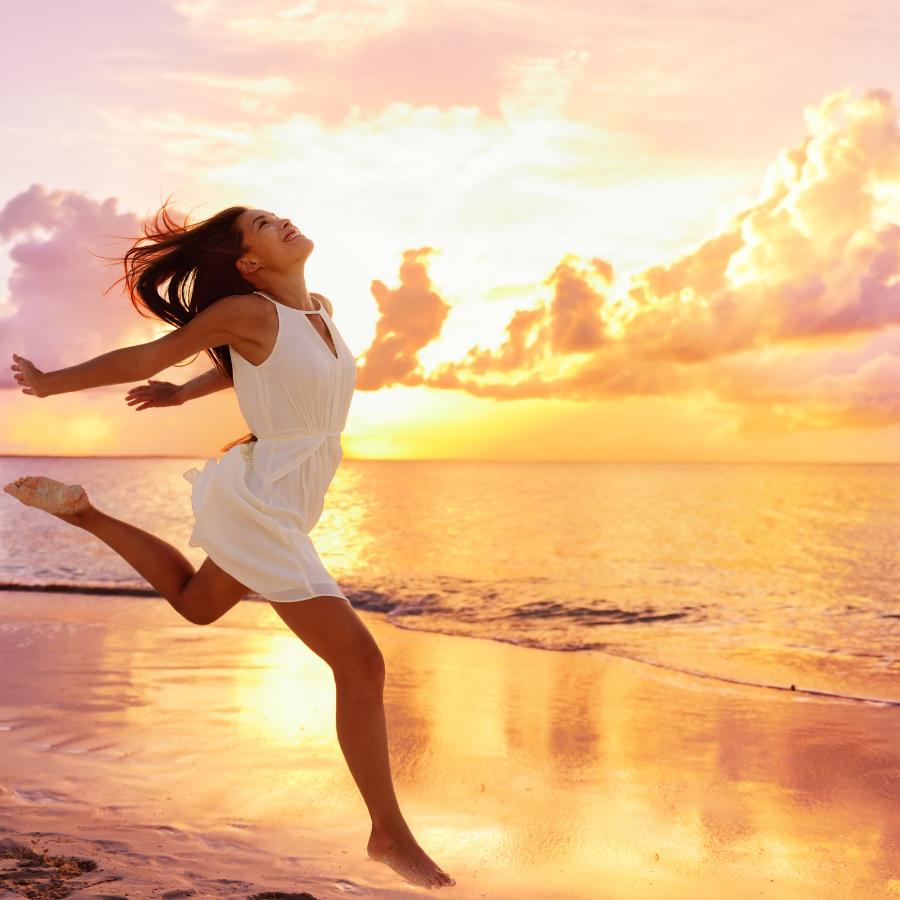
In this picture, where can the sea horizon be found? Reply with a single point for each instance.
(587, 462)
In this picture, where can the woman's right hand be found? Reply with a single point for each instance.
(28, 376)
(154, 393)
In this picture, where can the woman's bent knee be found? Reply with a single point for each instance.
(208, 595)
(363, 669)
(197, 615)
(375, 668)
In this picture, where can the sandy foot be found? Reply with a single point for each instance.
(410, 862)
(51, 496)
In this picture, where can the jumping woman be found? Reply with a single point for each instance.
(234, 286)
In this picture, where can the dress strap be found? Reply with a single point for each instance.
(307, 312)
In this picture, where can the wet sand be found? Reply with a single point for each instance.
(186, 761)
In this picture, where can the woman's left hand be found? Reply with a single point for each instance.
(29, 376)
(154, 393)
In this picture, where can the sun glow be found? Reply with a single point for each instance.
(739, 221)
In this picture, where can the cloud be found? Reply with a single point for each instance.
(328, 22)
(786, 318)
(60, 315)
(789, 316)
(411, 317)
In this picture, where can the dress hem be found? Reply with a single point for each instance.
(272, 596)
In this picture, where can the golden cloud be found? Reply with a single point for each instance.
(790, 315)
(411, 317)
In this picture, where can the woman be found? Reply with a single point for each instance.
(234, 286)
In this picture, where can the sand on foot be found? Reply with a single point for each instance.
(49, 495)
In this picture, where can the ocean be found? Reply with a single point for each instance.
(781, 576)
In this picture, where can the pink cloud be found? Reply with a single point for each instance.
(61, 315)
(708, 81)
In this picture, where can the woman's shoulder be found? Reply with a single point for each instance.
(241, 309)
(325, 302)
(250, 303)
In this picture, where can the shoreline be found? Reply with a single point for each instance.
(362, 608)
(204, 760)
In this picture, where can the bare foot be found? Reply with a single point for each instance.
(409, 861)
(63, 500)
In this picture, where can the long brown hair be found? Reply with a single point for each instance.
(178, 268)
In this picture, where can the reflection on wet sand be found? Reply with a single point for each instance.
(528, 773)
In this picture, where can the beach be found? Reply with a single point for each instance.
(186, 761)
(595, 423)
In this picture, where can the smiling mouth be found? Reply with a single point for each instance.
(292, 235)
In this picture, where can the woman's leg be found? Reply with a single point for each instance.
(331, 628)
(201, 597)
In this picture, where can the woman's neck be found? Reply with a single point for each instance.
(288, 289)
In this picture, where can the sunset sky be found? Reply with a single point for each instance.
(661, 230)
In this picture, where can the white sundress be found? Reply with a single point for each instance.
(254, 509)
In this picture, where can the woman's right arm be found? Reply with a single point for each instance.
(163, 393)
(225, 322)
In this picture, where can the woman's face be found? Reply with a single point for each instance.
(272, 243)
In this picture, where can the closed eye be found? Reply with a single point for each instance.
(264, 220)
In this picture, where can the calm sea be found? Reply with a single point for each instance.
(771, 575)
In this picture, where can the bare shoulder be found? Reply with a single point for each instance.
(241, 306)
(325, 302)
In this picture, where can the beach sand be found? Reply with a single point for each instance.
(202, 762)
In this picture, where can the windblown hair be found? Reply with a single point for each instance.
(178, 268)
